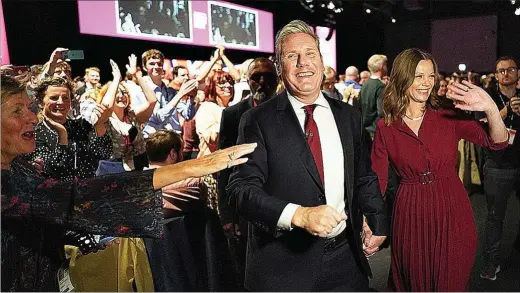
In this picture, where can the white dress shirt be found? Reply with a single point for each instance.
(333, 161)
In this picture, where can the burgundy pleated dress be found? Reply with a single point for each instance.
(434, 237)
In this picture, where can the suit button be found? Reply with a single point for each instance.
(321, 197)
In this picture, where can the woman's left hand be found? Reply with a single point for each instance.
(469, 97)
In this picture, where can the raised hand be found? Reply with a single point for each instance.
(217, 55)
(469, 97)
(318, 221)
(57, 54)
(131, 67)
(116, 73)
(103, 112)
(221, 49)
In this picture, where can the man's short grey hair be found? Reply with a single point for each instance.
(352, 71)
(375, 62)
(293, 27)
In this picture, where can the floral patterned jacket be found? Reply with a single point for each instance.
(36, 211)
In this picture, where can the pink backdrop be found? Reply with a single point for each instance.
(99, 18)
(4, 51)
(327, 48)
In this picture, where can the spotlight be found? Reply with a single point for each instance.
(517, 11)
(462, 67)
(393, 20)
(311, 5)
(513, 2)
(322, 5)
(331, 6)
(368, 10)
(308, 1)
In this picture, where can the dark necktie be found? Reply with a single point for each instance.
(313, 139)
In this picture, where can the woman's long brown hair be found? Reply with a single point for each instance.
(395, 96)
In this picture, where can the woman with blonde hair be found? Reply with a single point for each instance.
(434, 238)
(126, 123)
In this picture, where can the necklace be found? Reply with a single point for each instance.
(415, 119)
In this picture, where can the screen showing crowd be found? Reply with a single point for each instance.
(232, 25)
(153, 17)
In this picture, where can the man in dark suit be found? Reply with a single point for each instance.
(306, 187)
(262, 80)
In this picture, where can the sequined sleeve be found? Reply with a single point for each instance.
(99, 146)
(109, 205)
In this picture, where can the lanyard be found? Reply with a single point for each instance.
(510, 116)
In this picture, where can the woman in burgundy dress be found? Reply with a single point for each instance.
(434, 237)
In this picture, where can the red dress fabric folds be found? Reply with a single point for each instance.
(434, 238)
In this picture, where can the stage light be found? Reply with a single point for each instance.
(517, 11)
(311, 5)
(462, 67)
(322, 5)
(308, 1)
(393, 20)
(513, 2)
(368, 10)
(331, 6)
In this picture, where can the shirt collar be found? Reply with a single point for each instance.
(297, 105)
(374, 77)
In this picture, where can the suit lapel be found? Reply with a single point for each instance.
(293, 133)
(345, 133)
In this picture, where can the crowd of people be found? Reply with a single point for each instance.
(164, 18)
(233, 26)
(275, 175)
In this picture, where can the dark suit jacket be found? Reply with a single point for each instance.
(371, 100)
(280, 171)
(228, 137)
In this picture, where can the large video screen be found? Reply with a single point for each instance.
(200, 23)
(231, 24)
(4, 51)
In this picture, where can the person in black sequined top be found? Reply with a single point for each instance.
(36, 210)
(69, 148)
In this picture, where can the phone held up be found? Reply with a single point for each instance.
(73, 55)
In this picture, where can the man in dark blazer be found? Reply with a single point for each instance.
(262, 80)
(307, 185)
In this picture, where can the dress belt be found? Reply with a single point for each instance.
(425, 178)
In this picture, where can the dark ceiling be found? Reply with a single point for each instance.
(383, 11)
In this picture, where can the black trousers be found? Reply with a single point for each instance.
(340, 271)
(499, 184)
